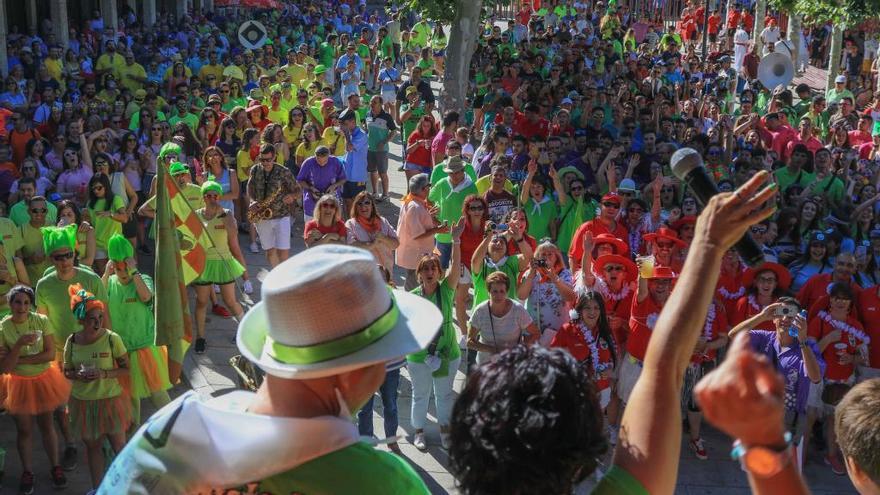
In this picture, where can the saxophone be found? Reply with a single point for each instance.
(262, 210)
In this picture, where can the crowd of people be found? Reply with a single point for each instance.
(542, 213)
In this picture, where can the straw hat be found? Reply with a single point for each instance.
(327, 311)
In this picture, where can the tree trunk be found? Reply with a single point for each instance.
(760, 12)
(794, 35)
(463, 35)
(834, 54)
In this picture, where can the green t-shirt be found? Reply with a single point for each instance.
(190, 119)
(541, 216)
(10, 332)
(105, 226)
(785, 177)
(32, 245)
(327, 54)
(438, 173)
(427, 66)
(447, 344)
(378, 128)
(509, 266)
(131, 317)
(450, 201)
(410, 124)
(358, 468)
(571, 216)
(422, 32)
(100, 354)
(831, 187)
(18, 213)
(53, 300)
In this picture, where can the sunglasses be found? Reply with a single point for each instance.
(61, 257)
(476, 208)
(613, 268)
(665, 245)
(609, 204)
(39, 210)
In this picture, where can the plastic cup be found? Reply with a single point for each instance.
(646, 266)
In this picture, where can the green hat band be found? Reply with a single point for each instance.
(339, 347)
(211, 186)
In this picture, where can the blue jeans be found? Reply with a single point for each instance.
(445, 249)
(388, 391)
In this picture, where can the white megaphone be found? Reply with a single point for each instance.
(775, 69)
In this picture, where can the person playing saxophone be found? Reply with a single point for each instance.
(273, 190)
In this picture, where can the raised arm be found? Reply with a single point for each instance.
(650, 434)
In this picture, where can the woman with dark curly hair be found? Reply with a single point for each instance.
(528, 400)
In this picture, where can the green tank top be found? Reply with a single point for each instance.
(215, 228)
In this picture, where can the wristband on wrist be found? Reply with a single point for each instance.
(763, 461)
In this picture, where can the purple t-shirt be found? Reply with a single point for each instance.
(70, 181)
(790, 363)
(320, 177)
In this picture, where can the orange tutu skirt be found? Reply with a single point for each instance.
(91, 419)
(36, 394)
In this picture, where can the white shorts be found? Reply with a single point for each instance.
(464, 278)
(814, 399)
(630, 370)
(389, 97)
(274, 233)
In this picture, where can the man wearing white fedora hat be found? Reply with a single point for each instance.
(325, 327)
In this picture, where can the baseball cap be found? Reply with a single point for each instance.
(840, 79)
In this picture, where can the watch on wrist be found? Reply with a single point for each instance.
(763, 461)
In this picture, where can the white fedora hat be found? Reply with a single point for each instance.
(326, 311)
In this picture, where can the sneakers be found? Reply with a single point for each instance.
(699, 449)
(200, 345)
(58, 478)
(837, 466)
(26, 486)
(221, 311)
(393, 447)
(68, 459)
(248, 287)
(254, 248)
(419, 441)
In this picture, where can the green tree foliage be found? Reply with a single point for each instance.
(846, 12)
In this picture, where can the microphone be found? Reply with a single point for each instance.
(687, 165)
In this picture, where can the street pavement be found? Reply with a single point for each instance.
(210, 374)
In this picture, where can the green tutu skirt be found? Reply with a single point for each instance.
(220, 272)
(148, 372)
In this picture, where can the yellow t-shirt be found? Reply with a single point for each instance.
(127, 71)
(243, 164)
(333, 140)
(306, 150)
(53, 67)
(114, 63)
(293, 136)
(10, 332)
(215, 70)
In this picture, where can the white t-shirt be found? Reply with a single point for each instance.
(501, 331)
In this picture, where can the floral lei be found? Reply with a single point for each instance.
(602, 288)
(844, 327)
(710, 320)
(754, 303)
(592, 343)
(726, 294)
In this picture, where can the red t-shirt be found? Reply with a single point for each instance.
(746, 307)
(851, 337)
(817, 287)
(338, 228)
(522, 125)
(714, 23)
(728, 292)
(619, 304)
(420, 155)
(868, 304)
(571, 338)
(596, 226)
(643, 317)
(470, 241)
(858, 138)
(513, 248)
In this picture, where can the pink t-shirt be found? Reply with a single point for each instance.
(438, 145)
(414, 221)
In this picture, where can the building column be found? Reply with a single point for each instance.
(180, 9)
(207, 5)
(4, 61)
(30, 7)
(149, 13)
(110, 14)
(60, 25)
(132, 4)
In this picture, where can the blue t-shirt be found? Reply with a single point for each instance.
(356, 159)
